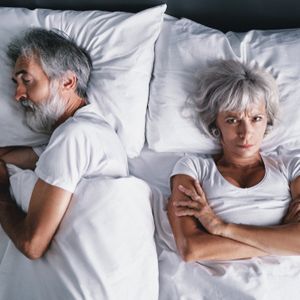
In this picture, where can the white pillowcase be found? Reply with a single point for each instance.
(185, 48)
(278, 52)
(121, 46)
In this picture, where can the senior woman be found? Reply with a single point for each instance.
(239, 203)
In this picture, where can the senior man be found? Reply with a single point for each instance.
(51, 74)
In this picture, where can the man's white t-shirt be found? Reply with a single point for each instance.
(263, 204)
(84, 146)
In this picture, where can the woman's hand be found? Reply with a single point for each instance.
(293, 213)
(196, 205)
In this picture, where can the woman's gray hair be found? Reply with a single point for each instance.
(229, 85)
(57, 54)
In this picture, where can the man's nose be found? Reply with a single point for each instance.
(21, 92)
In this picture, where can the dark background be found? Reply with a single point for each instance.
(236, 15)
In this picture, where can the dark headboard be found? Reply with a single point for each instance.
(236, 15)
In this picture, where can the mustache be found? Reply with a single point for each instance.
(28, 105)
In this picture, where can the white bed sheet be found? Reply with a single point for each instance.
(104, 248)
(267, 278)
(154, 167)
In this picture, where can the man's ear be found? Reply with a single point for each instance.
(69, 81)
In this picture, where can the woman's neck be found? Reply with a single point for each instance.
(232, 161)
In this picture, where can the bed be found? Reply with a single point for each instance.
(146, 59)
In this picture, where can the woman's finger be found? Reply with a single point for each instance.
(294, 209)
(293, 215)
(295, 205)
(186, 212)
(188, 204)
(287, 218)
(191, 193)
(199, 189)
(200, 192)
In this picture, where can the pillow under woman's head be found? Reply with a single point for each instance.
(185, 49)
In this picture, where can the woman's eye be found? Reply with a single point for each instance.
(257, 119)
(231, 121)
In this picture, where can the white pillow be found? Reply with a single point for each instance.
(278, 52)
(121, 46)
(183, 49)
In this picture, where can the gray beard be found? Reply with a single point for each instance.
(41, 118)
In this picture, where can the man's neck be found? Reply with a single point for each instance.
(72, 106)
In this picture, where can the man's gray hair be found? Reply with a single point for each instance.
(56, 53)
(229, 85)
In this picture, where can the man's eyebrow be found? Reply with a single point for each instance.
(17, 74)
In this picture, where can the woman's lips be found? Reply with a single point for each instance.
(245, 146)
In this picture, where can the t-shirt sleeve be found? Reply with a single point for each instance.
(293, 167)
(187, 165)
(38, 150)
(66, 158)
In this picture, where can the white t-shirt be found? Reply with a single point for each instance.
(84, 146)
(263, 204)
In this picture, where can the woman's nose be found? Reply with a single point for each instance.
(245, 129)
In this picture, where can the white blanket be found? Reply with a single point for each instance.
(265, 278)
(104, 248)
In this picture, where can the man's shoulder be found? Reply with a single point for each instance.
(84, 123)
(85, 130)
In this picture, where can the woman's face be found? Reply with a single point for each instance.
(242, 132)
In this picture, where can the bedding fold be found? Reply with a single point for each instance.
(104, 247)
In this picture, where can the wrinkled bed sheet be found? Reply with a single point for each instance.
(265, 278)
(104, 248)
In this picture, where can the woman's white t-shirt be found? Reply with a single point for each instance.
(262, 204)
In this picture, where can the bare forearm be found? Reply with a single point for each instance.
(11, 219)
(13, 222)
(193, 243)
(209, 247)
(5, 150)
(275, 240)
(33, 232)
(23, 157)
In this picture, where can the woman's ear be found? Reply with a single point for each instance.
(215, 131)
